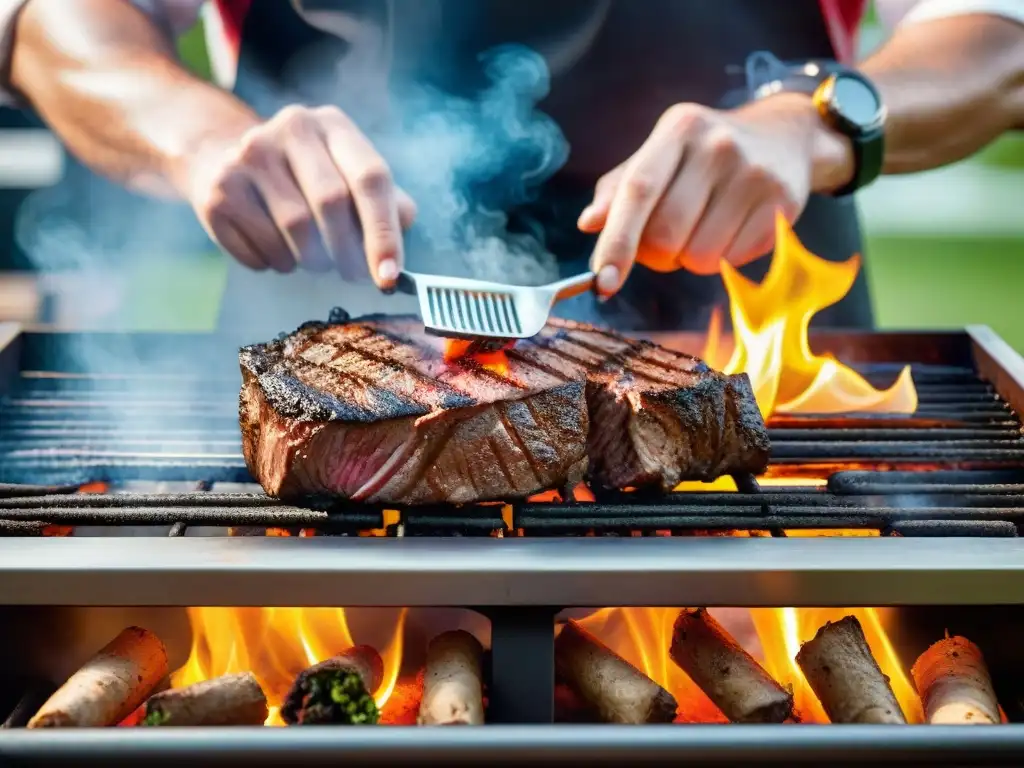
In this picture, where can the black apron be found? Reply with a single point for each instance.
(616, 65)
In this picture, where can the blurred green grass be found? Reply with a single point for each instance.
(945, 283)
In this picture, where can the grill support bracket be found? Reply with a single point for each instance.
(522, 664)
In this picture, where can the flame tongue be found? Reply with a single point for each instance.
(495, 361)
(276, 644)
(770, 322)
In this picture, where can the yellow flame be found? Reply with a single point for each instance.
(275, 644)
(770, 327)
(773, 636)
(783, 630)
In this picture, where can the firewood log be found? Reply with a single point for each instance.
(338, 691)
(845, 677)
(616, 690)
(226, 700)
(110, 686)
(453, 681)
(954, 684)
(730, 676)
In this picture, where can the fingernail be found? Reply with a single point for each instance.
(608, 279)
(387, 271)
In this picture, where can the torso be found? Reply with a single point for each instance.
(615, 66)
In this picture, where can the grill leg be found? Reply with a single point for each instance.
(522, 682)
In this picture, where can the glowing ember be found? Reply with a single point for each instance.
(276, 644)
(495, 361)
(772, 635)
(770, 322)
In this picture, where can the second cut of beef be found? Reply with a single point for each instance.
(368, 409)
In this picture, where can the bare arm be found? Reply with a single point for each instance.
(304, 188)
(706, 185)
(106, 79)
(951, 85)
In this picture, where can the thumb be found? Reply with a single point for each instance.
(406, 208)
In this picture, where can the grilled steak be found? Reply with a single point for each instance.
(368, 409)
(657, 417)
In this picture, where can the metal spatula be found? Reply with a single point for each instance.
(488, 313)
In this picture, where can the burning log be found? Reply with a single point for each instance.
(227, 700)
(453, 686)
(616, 690)
(730, 676)
(954, 684)
(338, 691)
(110, 686)
(845, 677)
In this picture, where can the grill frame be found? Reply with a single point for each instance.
(699, 745)
(511, 573)
(519, 584)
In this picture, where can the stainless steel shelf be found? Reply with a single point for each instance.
(478, 572)
(692, 745)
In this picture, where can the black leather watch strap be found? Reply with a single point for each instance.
(868, 157)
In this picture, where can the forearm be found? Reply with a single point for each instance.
(106, 80)
(951, 86)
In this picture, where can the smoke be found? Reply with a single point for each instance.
(468, 161)
(466, 158)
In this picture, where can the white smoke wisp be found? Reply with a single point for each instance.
(467, 161)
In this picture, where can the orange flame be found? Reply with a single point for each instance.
(770, 323)
(495, 361)
(773, 636)
(781, 632)
(275, 644)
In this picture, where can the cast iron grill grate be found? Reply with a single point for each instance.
(950, 469)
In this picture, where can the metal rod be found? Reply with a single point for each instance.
(691, 745)
(36, 694)
(586, 572)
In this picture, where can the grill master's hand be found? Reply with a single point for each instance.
(304, 188)
(706, 184)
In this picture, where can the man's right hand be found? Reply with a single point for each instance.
(304, 188)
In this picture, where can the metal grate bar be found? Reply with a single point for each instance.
(937, 528)
(840, 746)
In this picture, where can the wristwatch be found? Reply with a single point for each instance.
(851, 105)
(847, 101)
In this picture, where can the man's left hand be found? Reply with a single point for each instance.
(705, 186)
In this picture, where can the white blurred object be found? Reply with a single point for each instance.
(29, 158)
(966, 199)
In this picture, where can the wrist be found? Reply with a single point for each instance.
(200, 147)
(832, 163)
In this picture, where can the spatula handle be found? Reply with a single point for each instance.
(406, 283)
(574, 286)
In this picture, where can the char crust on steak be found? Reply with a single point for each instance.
(368, 409)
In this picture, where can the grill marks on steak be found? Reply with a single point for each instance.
(371, 411)
(659, 417)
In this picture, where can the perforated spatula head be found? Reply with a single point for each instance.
(490, 314)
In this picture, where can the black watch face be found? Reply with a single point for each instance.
(855, 101)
